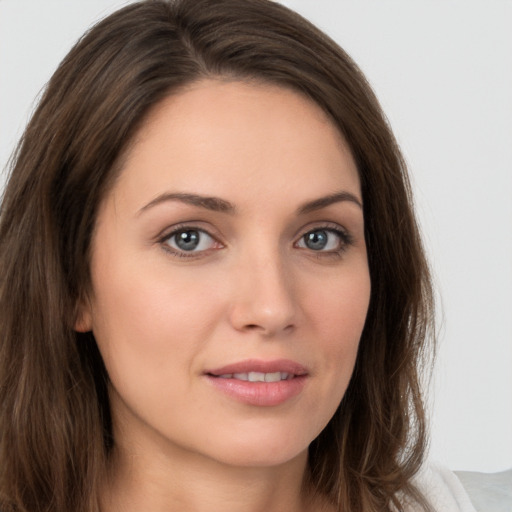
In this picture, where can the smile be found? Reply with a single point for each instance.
(260, 383)
(258, 376)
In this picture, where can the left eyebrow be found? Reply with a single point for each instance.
(323, 202)
(210, 203)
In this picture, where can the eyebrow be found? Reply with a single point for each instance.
(324, 202)
(210, 203)
(217, 204)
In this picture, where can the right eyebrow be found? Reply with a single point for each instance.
(324, 202)
(208, 202)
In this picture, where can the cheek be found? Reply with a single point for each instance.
(339, 308)
(146, 318)
(339, 315)
(149, 335)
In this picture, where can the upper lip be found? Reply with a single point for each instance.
(257, 365)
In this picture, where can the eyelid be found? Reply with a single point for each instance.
(198, 225)
(346, 237)
(327, 226)
(171, 231)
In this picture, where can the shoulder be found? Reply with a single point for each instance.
(443, 490)
(489, 492)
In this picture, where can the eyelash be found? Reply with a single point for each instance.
(183, 228)
(345, 241)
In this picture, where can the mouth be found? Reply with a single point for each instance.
(260, 383)
(256, 370)
(257, 376)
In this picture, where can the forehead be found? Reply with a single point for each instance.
(239, 139)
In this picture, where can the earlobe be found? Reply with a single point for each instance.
(83, 318)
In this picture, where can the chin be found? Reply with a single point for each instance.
(260, 447)
(243, 457)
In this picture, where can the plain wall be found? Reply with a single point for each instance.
(443, 73)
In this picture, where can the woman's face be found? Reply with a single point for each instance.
(230, 276)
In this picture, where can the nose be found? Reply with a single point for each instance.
(265, 300)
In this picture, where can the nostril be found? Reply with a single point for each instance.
(267, 330)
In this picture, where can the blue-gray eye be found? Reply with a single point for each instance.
(189, 240)
(321, 240)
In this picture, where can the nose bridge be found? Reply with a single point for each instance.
(264, 300)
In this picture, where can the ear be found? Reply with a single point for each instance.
(83, 319)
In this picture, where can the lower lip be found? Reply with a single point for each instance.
(263, 394)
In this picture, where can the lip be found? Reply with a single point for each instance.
(258, 365)
(262, 394)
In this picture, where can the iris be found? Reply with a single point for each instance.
(316, 240)
(187, 240)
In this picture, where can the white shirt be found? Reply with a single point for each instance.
(443, 490)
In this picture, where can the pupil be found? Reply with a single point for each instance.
(187, 240)
(316, 240)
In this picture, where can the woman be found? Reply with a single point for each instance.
(214, 294)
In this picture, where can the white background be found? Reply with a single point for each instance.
(443, 73)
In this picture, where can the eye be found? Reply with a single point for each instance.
(324, 240)
(189, 240)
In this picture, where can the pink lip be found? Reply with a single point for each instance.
(263, 394)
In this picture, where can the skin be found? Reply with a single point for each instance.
(252, 289)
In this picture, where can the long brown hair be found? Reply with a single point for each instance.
(55, 431)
